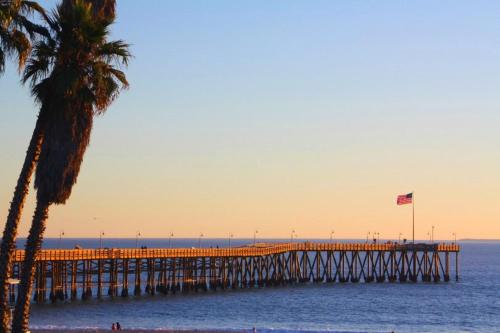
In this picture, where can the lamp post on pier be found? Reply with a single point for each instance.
(291, 235)
(137, 235)
(230, 236)
(399, 237)
(100, 239)
(432, 234)
(455, 235)
(170, 239)
(199, 240)
(61, 233)
(331, 236)
(367, 236)
(255, 236)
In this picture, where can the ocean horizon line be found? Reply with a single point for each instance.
(260, 239)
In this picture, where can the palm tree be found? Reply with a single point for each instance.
(73, 76)
(16, 35)
(13, 40)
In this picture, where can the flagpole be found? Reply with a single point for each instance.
(413, 214)
(414, 278)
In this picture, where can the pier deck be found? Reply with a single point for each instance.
(68, 274)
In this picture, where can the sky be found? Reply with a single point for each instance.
(281, 115)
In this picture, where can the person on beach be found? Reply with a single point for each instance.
(113, 327)
(118, 326)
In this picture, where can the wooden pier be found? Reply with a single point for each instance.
(84, 273)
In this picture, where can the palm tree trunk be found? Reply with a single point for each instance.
(8, 245)
(33, 246)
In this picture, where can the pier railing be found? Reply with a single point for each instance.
(249, 251)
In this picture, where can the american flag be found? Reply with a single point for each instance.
(405, 199)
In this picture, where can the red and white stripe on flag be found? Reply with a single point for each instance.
(405, 199)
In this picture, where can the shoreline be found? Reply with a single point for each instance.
(52, 329)
(162, 330)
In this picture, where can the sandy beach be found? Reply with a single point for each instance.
(146, 331)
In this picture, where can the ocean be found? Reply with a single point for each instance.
(470, 305)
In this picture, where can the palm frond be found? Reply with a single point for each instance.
(31, 7)
(31, 28)
(120, 76)
(40, 63)
(22, 46)
(35, 71)
(117, 51)
(41, 92)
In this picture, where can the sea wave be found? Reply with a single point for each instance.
(39, 328)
